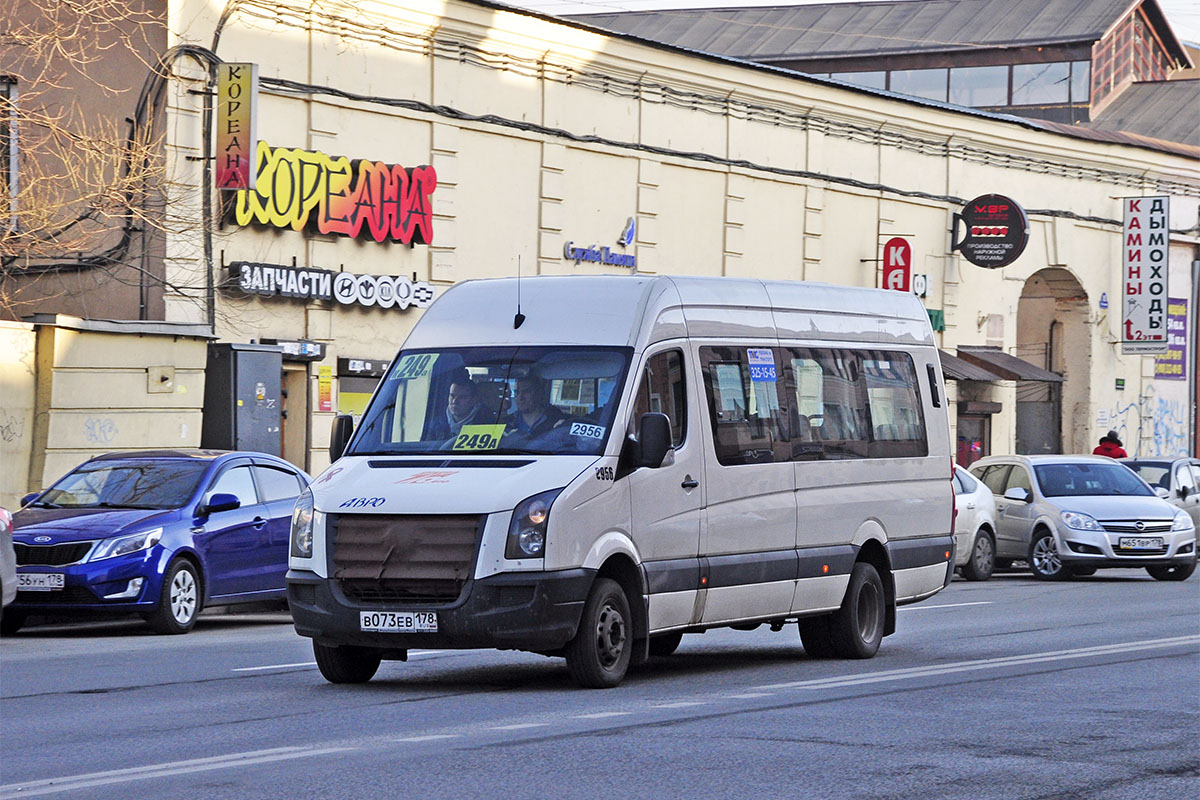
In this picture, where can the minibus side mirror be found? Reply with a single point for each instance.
(221, 501)
(654, 439)
(343, 427)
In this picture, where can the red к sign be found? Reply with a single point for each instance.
(897, 264)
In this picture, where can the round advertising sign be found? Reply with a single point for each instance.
(997, 231)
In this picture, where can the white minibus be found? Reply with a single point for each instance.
(593, 466)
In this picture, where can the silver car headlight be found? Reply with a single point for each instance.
(1182, 522)
(1080, 522)
(302, 525)
(124, 545)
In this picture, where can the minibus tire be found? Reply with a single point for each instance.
(346, 664)
(599, 655)
(815, 636)
(857, 627)
(665, 644)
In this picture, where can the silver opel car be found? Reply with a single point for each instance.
(1071, 515)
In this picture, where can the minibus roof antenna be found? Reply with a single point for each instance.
(519, 318)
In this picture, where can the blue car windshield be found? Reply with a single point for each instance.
(1062, 480)
(469, 401)
(127, 484)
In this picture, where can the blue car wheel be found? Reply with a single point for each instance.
(179, 602)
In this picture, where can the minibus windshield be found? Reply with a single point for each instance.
(495, 400)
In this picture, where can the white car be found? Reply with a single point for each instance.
(974, 527)
(8, 560)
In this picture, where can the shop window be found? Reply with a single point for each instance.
(979, 86)
(871, 80)
(927, 83)
(974, 439)
(1041, 84)
(662, 389)
(744, 405)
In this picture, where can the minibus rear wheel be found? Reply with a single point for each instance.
(598, 656)
(346, 664)
(857, 627)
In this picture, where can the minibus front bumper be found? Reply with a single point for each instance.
(536, 611)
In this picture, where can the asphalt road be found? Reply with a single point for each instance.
(1007, 689)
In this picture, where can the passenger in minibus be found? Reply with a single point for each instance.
(462, 408)
(533, 415)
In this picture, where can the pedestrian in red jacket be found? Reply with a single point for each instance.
(1110, 445)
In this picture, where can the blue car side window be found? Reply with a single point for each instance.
(236, 481)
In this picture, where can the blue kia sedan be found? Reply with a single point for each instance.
(161, 533)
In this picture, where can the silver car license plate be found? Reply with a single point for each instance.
(398, 621)
(1140, 543)
(40, 581)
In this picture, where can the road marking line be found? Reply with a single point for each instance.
(946, 605)
(92, 779)
(987, 663)
(521, 726)
(749, 695)
(276, 666)
(603, 714)
(313, 663)
(682, 704)
(431, 737)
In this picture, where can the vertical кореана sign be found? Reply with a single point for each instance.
(237, 107)
(1173, 365)
(1144, 248)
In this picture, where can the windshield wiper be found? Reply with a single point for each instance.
(106, 504)
(45, 504)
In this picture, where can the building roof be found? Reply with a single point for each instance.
(1008, 367)
(958, 369)
(1167, 110)
(823, 31)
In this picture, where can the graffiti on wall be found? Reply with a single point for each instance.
(101, 430)
(11, 428)
(1151, 427)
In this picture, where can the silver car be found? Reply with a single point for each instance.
(1175, 480)
(1070, 515)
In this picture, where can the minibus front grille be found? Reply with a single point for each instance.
(403, 558)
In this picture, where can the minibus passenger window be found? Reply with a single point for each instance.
(742, 386)
(896, 417)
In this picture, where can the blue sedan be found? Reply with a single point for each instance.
(161, 533)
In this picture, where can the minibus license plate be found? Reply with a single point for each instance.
(398, 621)
(1140, 543)
(39, 581)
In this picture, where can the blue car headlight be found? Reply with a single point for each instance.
(124, 545)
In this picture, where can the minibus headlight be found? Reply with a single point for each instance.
(527, 531)
(302, 525)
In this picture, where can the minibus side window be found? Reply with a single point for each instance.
(663, 389)
(742, 387)
(897, 421)
(829, 419)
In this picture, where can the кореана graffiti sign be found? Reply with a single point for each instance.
(334, 195)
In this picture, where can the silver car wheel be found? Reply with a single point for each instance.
(183, 596)
(1045, 556)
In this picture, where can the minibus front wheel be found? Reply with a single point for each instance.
(599, 655)
(346, 663)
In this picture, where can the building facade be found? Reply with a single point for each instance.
(405, 146)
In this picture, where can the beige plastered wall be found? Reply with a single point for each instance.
(100, 392)
(17, 392)
(729, 170)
